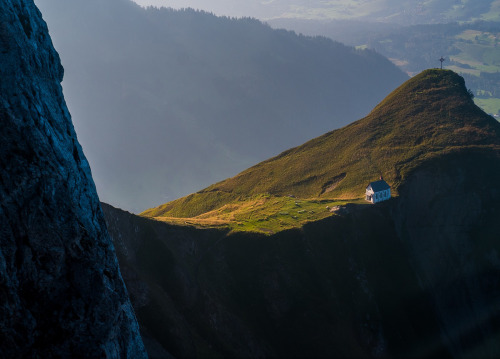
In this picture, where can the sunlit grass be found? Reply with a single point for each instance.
(429, 116)
(264, 213)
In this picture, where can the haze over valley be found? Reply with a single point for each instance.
(413, 34)
(167, 102)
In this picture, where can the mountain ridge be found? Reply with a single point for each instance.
(429, 115)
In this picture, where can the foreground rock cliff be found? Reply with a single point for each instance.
(61, 292)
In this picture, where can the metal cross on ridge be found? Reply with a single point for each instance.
(442, 59)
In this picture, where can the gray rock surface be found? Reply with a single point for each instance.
(61, 291)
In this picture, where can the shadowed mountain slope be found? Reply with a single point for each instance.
(330, 290)
(430, 115)
(416, 276)
(61, 291)
(166, 102)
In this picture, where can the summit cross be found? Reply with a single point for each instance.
(442, 59)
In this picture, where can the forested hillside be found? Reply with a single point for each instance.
(166, 102)
(470, 48)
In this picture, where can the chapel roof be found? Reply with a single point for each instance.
(378, 186)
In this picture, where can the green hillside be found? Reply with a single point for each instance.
(430, 115)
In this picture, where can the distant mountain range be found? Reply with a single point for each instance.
(395, 11)
(166, 102)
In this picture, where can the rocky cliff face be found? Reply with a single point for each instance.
(61, 291)
(447, 216)
(341, 287)
(416, 276)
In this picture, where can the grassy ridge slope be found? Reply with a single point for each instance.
(429, 115)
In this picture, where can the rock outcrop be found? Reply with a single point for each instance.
(61, 291)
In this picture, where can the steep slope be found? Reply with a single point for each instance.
(340, 288)
(417, 276)
(185, 98)
(428, 116)
(447, 215)
(62, 294)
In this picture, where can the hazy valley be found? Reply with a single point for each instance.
(469, 48)
(166, 102)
